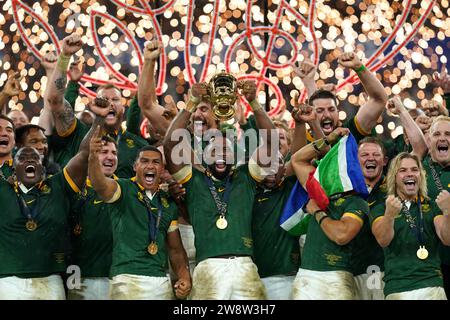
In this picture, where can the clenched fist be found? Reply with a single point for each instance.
(443, 201)
(71, 44)
(350, 60)
(337, 133)
(152, 50)
(393, 206)
(100, 107)
(248, 89)
(395, 106)
(199, 90)
(306, 70)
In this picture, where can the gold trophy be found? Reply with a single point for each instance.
(223, 93)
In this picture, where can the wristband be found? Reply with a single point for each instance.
(63, 62)
(323, 218)
(192, 103)
(319, 144)
(361, 69)
(255, 105)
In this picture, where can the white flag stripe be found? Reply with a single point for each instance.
(293, 220)
(342, 162)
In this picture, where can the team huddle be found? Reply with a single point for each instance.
(192, 211)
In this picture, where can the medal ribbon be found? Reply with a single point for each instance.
(417, 230)
(437, 180)
(221, 204)
(28, 213)
(153, 223)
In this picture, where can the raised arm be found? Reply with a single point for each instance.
(307, 71)
(301, 160)
(62, 111)
(107, 188)
(412, 130)
(443, 80)
(11, 89)
(175, 137)
(383, 226)
(77, 167)
(179, 262)
(46, 117)
(369, 113)
(147, 89)
(73, 87)
(302, 114)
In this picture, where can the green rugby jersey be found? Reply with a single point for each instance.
(404, 271)
(130, 230)
(237, 237)
(92, 241)
(6, 170)
(42, 252)
(275, 251)
(322, 254)
(366, 251)
(433, 191)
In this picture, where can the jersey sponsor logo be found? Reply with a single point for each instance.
(372, 203)
(98, 201)
(130, 143)
(339, 202)
(31, 201)
(332, 259)
(221, 190)
(248, 242)
(164, 202)
(45, 189)
(59, 257)
(426, 208)
(262, 199)
(140, 196)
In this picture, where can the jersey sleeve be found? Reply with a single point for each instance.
(134, 117)
(356, 130)
(72, 92)
(356, 208)
(376, 212)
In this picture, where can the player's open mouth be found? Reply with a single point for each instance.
(220, 164)
(111, 115)
(370, 166)
(30, 171)
(4, 142)
(442, 149)
(108, 164)
(410, 184)
(327, 124)
(149, 177)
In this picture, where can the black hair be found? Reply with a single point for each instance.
(150, 148)
(24, 130)
(322, 94)
(2, 116)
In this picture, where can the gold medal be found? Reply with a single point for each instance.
(31, 225)
(77, 229)
(152, 248)
(422, 253)
(221, 223)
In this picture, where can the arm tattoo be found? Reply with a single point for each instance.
(60, 83)
(65, 118)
